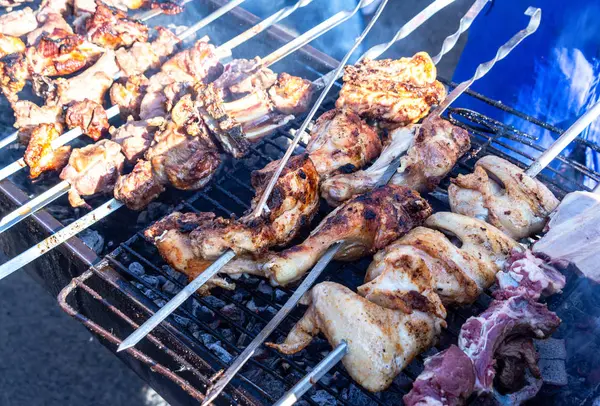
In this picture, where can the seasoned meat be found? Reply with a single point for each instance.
(12, 3)
(10, 45)
(29, 114)
(18, 22)
(52, 21)
(398, 92)
(138, 188)
(93, 169)
(292, 205)
(291, 94)
(381, 342)
(342, 142)
(110, 28)
(89, 116)
(40, 156)
(48, 7)
(363, 225)
(127, 93)
(88, 7)
(242, 76)
(503, 195)
(147, 55)
(135, 137)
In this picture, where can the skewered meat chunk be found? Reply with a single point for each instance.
(147, 55)
(89, 116)
(363, 225)
(10, 45)
(436, 148)
(128, 94)
(40, 156)
(381, 342)
(29, 114)
(291, 94)
(52, 21)
(18, 22)
(573, 236)
(12, 3)
(140, 187)
(92, 169)
(88, 7)
(110, 28)
(342, 142)
(292, 205)
(242, 76)
(48, 7)
(399, 92)
(503, 195)
(135, 137)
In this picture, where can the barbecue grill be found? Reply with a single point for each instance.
(119, 291)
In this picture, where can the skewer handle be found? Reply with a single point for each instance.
(241, 360)
(534, 22)
(564, 140)
(299, 389)
(177, 300)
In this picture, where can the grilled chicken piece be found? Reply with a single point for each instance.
(342, 142)
(381, 342)
(436, 148)
(147, 55)
(135, 137)
(52, 21)
(89, 116)
(110, 28)
(503, 195)
(398, 92)
(18, 22)
(243, 76)
(92, 169)
(292, 205)
(363, 225)
(291, 94)
(40, 156)
(127, 93)
(91, 84)
(10, 45)
(425, 268)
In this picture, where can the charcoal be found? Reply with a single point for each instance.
(265, 288)
(280, 296)
(152, 295)
(160, 302)
(214, 302)
(92, 239)
(202, 312)
(220, 352)
(554, 372)
(234, 313)
(552, 348)
(238, 296)
(154, 211)
(136, 269)
(228, 335)
(170, 288)
(152, 281)
(184, 321)
(323, 398)
(356, 396)
(252, 306)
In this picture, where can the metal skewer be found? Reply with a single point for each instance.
(113, 111)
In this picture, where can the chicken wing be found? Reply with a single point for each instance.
(364, 225)
(503, 195)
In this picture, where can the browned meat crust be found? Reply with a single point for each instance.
(89, 116)
(40, 156)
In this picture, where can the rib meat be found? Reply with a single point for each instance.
(399, 92)
(364, 225)
(89, 116)
(92, 169)
(40, 156)
(504, 196)
(110, 28)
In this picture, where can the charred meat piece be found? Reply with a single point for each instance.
(503, 320)
(242, 76)
(135, 137)
(10, 45)
(501, 194)
(138, 188)
(89, 116)
(291, 94)
(18, 22)
(168, 7)
(40, 156)
(147, 55)
(110, 28)
(29, 114)
(398, 92)
(127, 93)
(52, 21)
(292, 205)
(448, 379)
(88, 7)
(364, 225)
(381, 342)
(93, 169)
(342, 142)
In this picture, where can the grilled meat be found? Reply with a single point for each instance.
(93, 169)
(342, 142)
(48, 7)
(363, 225)
(9, 4)
(127, 93)
(10, 45)
(291, 94)
(381, 342)
(39, 155)
(147, 55)
(110, 28)
(503, 195)
(398, 92)
(52, 21)
(29, 114)
(89, 116)
(135, 137)
(139, 187)
(88, 7)
(18, 22)
(243, 76)
(292, 205)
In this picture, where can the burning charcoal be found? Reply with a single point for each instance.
(280, 296)
(252, 306)
(238, 296)
(153, 296)
(323, 398)
(220, 352)
(228, 335)
(154, 211)
(178, 276)
(234, 313)
(136, 269)
(202, 312)
(357, 397)
(92, 239)
(265, 288)
(214, 302)
(150, 280)
(184, 321)
(170, 288)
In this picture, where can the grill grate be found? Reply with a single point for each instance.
(219, 326)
